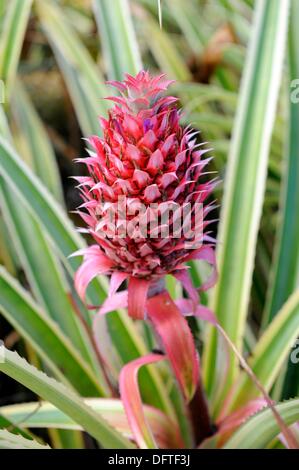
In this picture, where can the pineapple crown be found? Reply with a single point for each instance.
(141, 92)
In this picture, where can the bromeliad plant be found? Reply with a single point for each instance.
(131, 377)
(147, 163)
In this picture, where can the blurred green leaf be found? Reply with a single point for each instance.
(44, 273)
(245, 181)
(85, 103)
(286, 264)
(41, 150)
(40, 202)
(13, 441)
(190, 23)
(45, 337)
(84, 80)
(11, 40)
(261, 429)
(48, 416)
(7, 252)
(269, 354)
(163, 49)
(117, 35)
(5, 423)
(65, 439)
(64, 399)
(285, 269)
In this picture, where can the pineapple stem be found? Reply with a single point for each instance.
(200, 416)
(198, 407)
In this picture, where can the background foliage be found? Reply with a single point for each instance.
(54, 59)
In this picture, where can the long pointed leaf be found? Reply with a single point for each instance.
(11, 40)
(45, 336)
(245, 179)
(13, 441)
(45, 274)
(163, 49)
(270, 352)
(41, 150)
(117, 34)
(64, 399)
(45, 415)
(39, 201)
(261, 429)
(130, 395)
(83, 78)
(285, 269)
